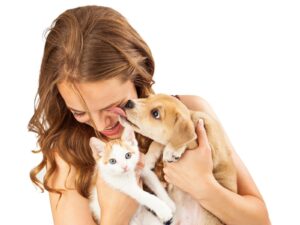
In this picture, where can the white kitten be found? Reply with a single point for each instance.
(117, 163)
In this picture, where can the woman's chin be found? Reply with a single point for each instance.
(114, 137)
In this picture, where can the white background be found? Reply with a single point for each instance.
(241, 56)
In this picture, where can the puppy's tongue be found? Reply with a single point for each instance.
(118, 111)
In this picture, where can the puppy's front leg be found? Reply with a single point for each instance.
(152, 155)
(171, 155)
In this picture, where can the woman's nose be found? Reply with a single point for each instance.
(104, 120)
(98, 123)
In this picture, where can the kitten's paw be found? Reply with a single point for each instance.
(165, 213)
(166, 198)
(169, 222)
(171, 204)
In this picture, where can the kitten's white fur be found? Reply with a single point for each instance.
(125, 181)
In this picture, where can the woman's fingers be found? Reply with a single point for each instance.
(201, 133)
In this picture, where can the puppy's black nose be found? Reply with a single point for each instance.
(129, 105)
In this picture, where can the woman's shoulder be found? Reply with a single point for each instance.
(192, 101)
(64, 174)
(197, 103)
(71, 207)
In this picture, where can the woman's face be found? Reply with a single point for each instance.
(101, 97)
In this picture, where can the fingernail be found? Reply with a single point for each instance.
(200, 122)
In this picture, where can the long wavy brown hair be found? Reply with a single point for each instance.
(88, 43)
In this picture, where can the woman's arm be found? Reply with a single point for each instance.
(246, 207)
(116, 208)
(73, 209)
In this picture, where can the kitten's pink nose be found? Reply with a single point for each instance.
(125, 168)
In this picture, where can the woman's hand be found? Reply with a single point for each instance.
(194, 169)
(117, 208)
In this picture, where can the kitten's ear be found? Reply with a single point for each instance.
(97, 146)
(128, 135)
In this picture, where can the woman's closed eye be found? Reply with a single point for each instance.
(78, 114)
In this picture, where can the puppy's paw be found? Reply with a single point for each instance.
(168, 156)
(172, 155)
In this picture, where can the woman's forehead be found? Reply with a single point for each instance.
(97, 94)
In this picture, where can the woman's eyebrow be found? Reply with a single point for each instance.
(106, 107)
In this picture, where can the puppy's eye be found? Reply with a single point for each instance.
(112, 161)
(155, 113)
(128, 155)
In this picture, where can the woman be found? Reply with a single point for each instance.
(94, 61)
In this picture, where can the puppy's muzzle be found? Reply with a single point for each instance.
(129, 105)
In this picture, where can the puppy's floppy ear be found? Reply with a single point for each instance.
(97, 146)
(211, 126)
(183, 132)
(196, 115)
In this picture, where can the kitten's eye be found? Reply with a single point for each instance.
(155, 113)
(128, 155)
(112, 161)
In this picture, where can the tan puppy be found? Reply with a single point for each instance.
(168, 122)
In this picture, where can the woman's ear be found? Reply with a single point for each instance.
(97, 146)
